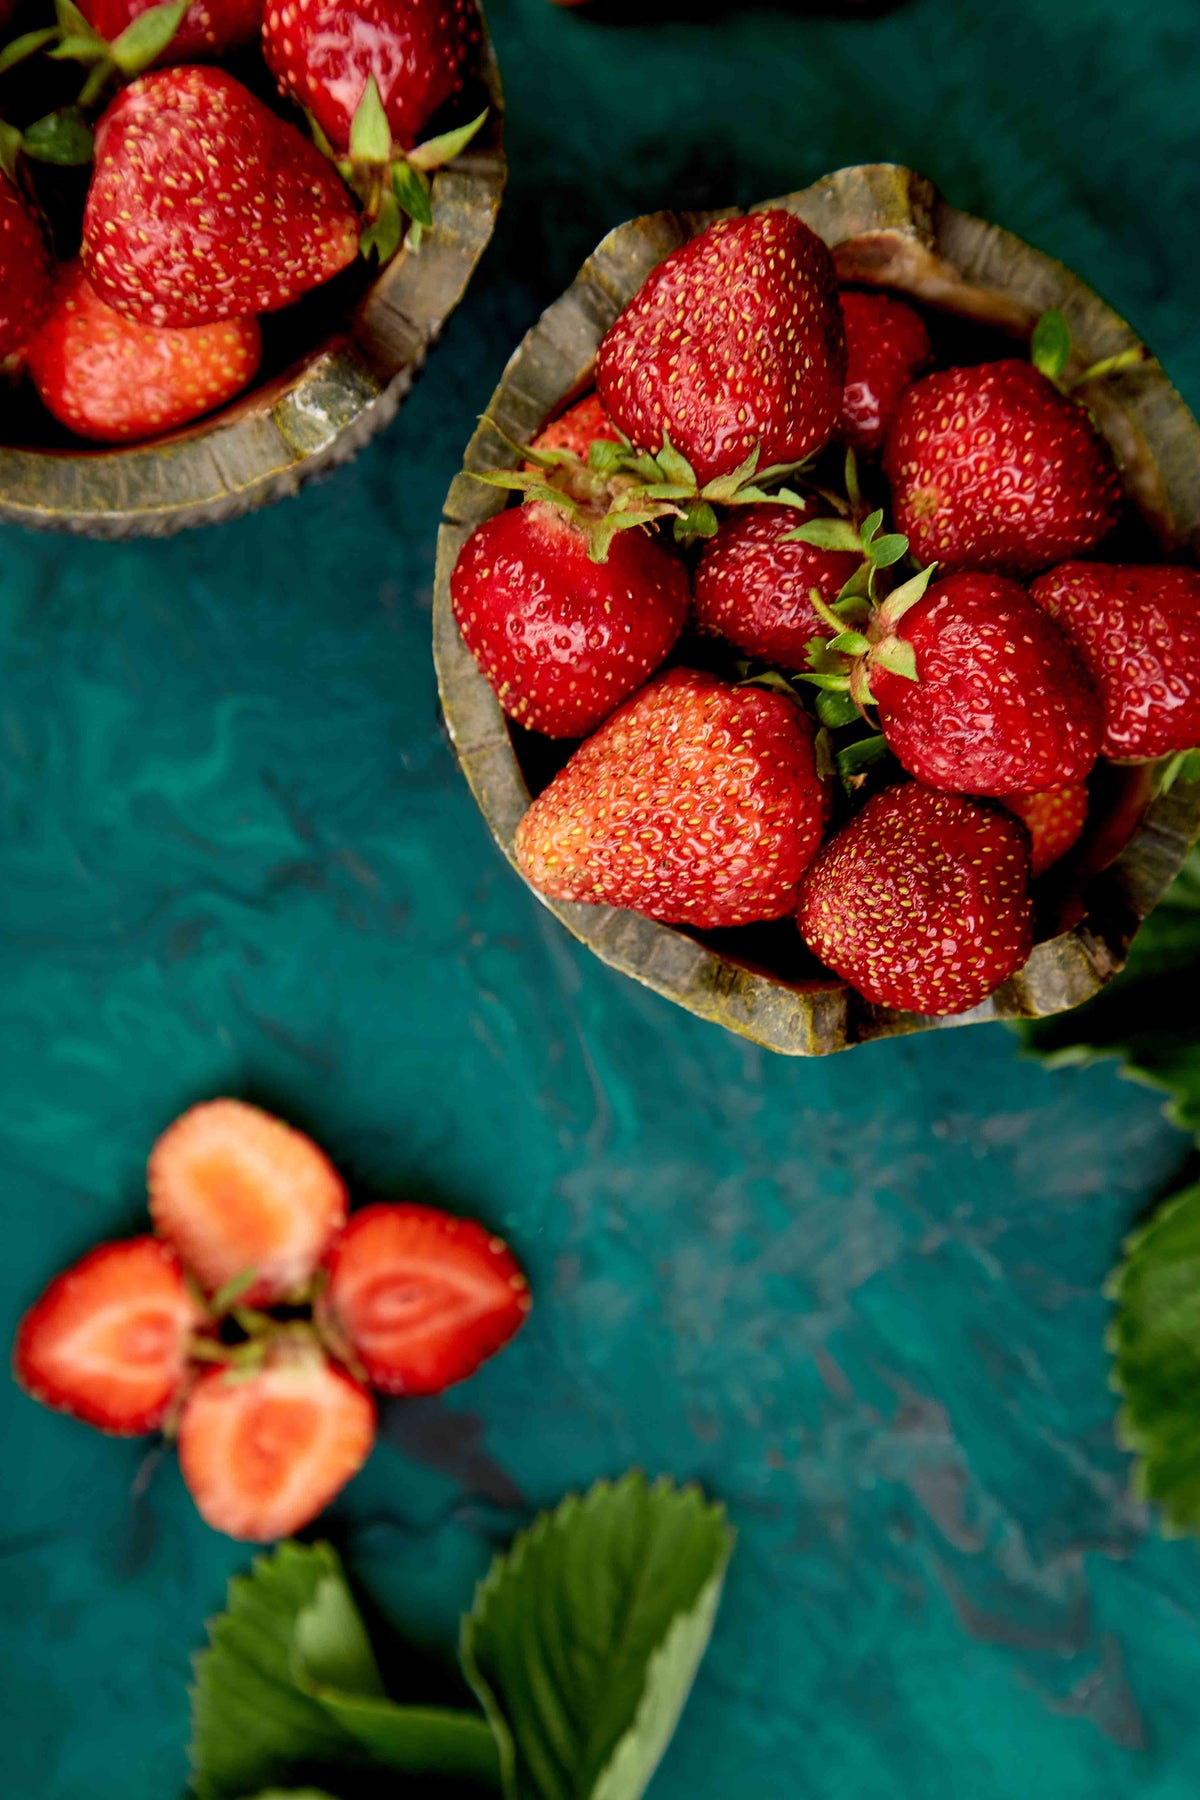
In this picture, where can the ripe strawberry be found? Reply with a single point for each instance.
(887, 346)
(733, 345)
(234, 1190)
(421, 1297)
(752, 587)
(1001, 705)
(922, 901)
(994, 468)
(322, 53)
(205, 206)
(1138, 631)
(262, 1454)
(209, 28)
(25, 275)
(107, 1341)
(108, 379)
(560, 638)
(697, 803)
(1055, 819)
(578, 428)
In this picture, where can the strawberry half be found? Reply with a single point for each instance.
(420, 1297)
(235, 1190)
(25, 275)
(752, 586)
(108, 1340)
(887, 346)
(209, 28)
(1055, 820)
(577, 429)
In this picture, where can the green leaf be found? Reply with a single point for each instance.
(72, 23)
(585, 1638)
(674, 467)
(412, 193)
(26, 45)
(905, 596)
(1051, 344)
(381, 237)
(699, 521)
(886, 550)
(850, 643)
(604, 456)
(826, 534)
(438, 150)
(10, 149)
(836, 709)
(63, 138)
(148, 36)
(370, 133)
(856, 759)
(871, 525)
(897, 657)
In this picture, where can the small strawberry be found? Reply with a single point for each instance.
(752, 584)
(733, 346)
(421, 1298)
(922, 901)
(887, 346)
(264, 1451)
(205, 206)
(578, 428)
(1055, 819)
(25, 275)
(108, 1340)
(236, 1191)
(209, 28)
(697, 803)
(1137, 628)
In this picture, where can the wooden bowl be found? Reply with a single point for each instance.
(887, 227)
(316, 413)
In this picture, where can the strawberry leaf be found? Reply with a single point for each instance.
(826, 534)
(836, 709)
(370, 133)
(148, 36)
(438, 150)
(381, 235)
(24, 46)
(886, 550)
(63, 137)
(854, 761)
(412, 194)
(1050, 347)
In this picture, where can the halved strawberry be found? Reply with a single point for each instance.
(236, 1190)
(421, 1297)
(262, 1454)
(107, 1341)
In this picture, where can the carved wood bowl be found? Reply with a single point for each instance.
(887, 227)
(336, 368)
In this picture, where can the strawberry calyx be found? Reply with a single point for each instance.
(1050, 352)
(62, 137)
(128, 55)
(666, 478)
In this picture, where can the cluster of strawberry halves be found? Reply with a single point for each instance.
(252, 1325)
(964, 671)
(135, 305)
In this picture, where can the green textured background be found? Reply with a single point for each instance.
(858, 1299)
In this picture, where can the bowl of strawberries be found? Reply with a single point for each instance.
(229, 235)
(816, 619)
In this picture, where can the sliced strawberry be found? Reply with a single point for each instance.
(236, 1190)
(107, 1341)
(421, 1297)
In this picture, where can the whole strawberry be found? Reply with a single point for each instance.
(922, 902)
(1055, 819)
(698, 803)
(752, 586)
(25, 277)
(887, 346)
(993, 468)
(733, 345)
(1137, 628)
(563, 639)
(578, 428)
(205, 206)
(209, 28)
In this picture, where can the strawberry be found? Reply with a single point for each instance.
(420, 1297)
(922, 901)
(264, 1451)
(733, 346)
(887, 346)
(25, 275)
(561, 638)
(108, 379)
(994, 468)
(1137, 628)
(752, 586)
(209, 28)
(1055, 819)
(205, 206)
(577, 429)
(235, 1190)
(108, 1340)
(697, 803)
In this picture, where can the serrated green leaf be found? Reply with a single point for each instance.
(28, 44)
(826, 534)
(370, 133)
(63, 138)
(1050, 347)
(148, 36)
(412, 193)
(438, 150)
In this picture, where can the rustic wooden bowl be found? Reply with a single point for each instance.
(317, 413)
(887, 227)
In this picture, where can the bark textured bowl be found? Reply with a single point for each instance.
(318, 412)
(887, 227)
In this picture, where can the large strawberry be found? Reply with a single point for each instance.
(25, 278)
(697, 803)
(209, 28)
(732, 346)
(922, 901)
(205, 206)
(753, 584)
(1137, 628)
(887, 346)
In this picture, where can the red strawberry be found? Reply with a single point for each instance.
(733, 345)
(262, 1454)
(1055, 819)
(922, 901)
(1001, 705)
(234, 1190)
(577, 429)
(560, 638)
(108, 379)
(322, 53)
(887, 346)
(697, 803)
(1138, 631)
(421, 1297)
(208, 28)
(25, 278)
(205, 206)
(107, 1342)
(752, 587)
(994, 468)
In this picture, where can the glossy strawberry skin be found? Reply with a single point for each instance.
(1055, 819)
(697, 803)
(921, 902)
(1001, 704)
(25, 275)
(733, 344)
(561, 639)
(578, 428)
(194, 180)
(1137, 629)
(752, 588)
(209, 28)
(992, 468)
(420, 52)
(887, 346)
